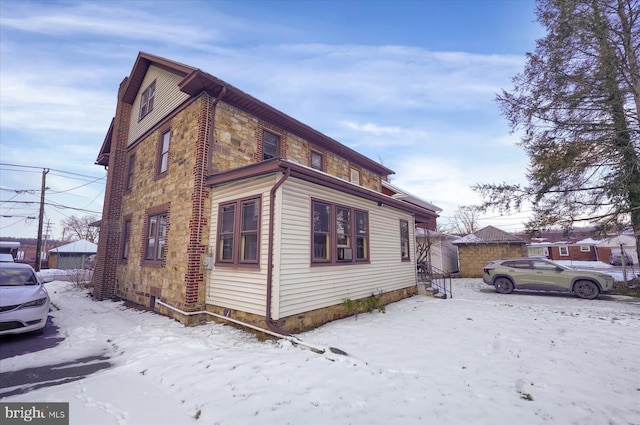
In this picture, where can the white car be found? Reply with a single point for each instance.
(24, 302)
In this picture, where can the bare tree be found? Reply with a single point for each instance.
(464, 220)
(77, 228)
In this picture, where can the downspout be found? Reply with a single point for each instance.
(272, 197)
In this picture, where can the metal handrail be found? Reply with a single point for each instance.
(438, 278)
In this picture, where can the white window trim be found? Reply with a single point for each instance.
(565, 249)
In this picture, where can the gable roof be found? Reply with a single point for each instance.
(81, 246)
(196, 81)
(489, 234)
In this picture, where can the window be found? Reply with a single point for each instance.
(156, 237)
(146, 100)
(126, 235)
(340, 234)
(355, 176)
(132, 164)
(518, 264)
(564, 251)
(163, 163)
(238, 234)
(585, 248)
(404, 240)
(543, 265)
(270, 145)
(316, 160)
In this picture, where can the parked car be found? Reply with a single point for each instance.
(6, 258)
(616, 259)
(540, 274)
(24, 302)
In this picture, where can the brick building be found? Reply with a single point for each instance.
(217, 202)
(490, 243)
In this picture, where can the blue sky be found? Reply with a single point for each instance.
(408, 83)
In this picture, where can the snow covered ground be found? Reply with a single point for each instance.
(477, 358)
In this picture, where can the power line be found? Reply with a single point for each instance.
(42, 168)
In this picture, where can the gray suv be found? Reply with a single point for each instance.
(541, 274)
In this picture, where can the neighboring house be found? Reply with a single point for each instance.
(617, 244)
(583, 250)
(487, 244)
(72, 255)
(442, 254)
(217, 201)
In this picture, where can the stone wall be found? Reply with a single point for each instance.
(473, 257)
(238, 143)
(177, 191)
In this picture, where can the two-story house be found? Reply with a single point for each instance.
(218, 202)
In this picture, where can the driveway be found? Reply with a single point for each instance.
(31, 378)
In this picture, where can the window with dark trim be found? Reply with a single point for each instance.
(270, 145)
(239, 232)
(404, 240)
(126, 236)
(131, 168)
(146, 100)
(156, 236)
(355, 176)
(163, 160)
(340, 234)
(316, 160)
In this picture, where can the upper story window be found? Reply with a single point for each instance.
(156, 237)
(163, 160)
(146, 100)
(131, 168)
(404, 240)
(238, 234)
(340, 234)
(270, 145)
(355, 176)
(316, 160)
(126, 235)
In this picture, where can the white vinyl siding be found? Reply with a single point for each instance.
(167, 97)
(300, 287)
(297, 285)
(241, 287)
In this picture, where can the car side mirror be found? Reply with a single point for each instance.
(559, 269)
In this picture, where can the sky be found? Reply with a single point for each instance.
(477, 358)
(410, 84)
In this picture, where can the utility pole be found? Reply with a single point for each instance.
(41, 219)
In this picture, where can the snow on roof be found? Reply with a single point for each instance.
(82, 246)
(489, 234)
(587, 241)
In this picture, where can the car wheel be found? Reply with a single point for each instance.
(503, 285)
(586, 289)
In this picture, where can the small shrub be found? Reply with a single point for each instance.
(363, 305)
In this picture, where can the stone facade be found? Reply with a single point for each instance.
(180, 192)
(473, 257)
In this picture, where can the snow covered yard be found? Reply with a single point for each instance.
(478, 358)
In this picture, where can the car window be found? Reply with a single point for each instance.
(543, 265)
(518, 264)
(17, 277)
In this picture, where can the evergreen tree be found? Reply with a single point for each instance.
(577, 104)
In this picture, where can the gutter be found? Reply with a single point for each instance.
(292, 339)
(272, 197)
